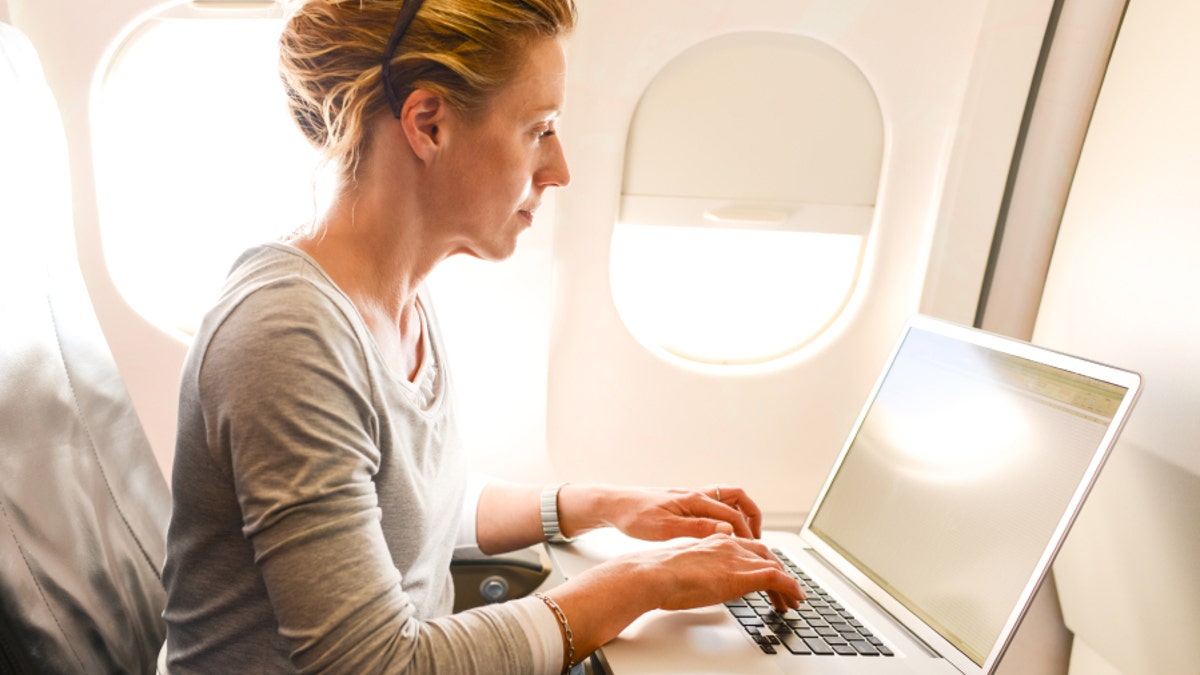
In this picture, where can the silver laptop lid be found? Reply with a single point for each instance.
(961, 477)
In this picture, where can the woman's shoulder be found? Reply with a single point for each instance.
(280, 281)
(276, 295)
(277, 264)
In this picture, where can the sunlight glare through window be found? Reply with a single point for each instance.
(196, 159)
(727, 295)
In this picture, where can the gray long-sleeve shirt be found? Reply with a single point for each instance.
(316, 495)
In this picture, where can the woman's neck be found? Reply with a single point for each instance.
(379, 261)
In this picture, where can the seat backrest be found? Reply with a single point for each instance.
(83, 505)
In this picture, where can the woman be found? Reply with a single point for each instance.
(319, 484)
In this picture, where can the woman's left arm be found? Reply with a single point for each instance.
(508, 516)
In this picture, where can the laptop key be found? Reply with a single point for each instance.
(780, 628)
(845, 650)
(794, 644)
(864, 648)
(818, 646)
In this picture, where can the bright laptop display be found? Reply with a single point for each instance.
(963, 474)
(941, 516)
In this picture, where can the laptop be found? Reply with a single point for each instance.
(935, 526)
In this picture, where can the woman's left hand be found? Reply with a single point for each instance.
(662, 514)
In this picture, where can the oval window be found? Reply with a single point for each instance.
(751, 170)
(195, 157)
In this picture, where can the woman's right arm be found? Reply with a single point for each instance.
(600, 603)
(286, 399)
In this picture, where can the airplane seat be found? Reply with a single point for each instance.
(83, 504)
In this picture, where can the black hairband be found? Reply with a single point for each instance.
(407, 12)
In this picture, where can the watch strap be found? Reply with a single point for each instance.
(549, 509)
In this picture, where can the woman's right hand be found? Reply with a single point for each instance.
(601, 602)
(713, 570)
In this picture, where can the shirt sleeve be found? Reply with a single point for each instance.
(543, 632)
(467, 544)
(287, 396)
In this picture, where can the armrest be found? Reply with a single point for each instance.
(481, 581)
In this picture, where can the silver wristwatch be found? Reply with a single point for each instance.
(549, 508)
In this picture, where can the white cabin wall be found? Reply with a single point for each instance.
(1045, 163)
(1123, 287)
(952, 81)
(495, 318)
(983, 145)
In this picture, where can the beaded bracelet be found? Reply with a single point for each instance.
(562, 619)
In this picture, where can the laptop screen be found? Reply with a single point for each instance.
(966, 461)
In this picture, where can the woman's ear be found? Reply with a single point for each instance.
(421, 117)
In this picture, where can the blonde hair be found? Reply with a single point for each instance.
(331, 53)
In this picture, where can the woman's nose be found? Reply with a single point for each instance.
(554, 171)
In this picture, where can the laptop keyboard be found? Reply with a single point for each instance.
(820, 626)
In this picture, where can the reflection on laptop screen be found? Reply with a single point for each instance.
(969, 456)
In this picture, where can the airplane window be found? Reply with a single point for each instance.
(195, 158)
(731, 296)
(751, 171)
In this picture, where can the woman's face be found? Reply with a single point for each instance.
(495, 169)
